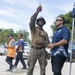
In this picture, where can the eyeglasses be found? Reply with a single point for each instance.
(58, 20)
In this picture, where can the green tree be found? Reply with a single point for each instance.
(3, 35)
(5, 32)
(25, 34)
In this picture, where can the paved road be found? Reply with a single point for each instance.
(4, 66)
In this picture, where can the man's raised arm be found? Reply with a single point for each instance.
(33, 18)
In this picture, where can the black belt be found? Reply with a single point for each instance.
(37, 47)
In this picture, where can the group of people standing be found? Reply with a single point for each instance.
(40, 40)
(13, 52)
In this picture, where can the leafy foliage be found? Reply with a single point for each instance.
(5, 32)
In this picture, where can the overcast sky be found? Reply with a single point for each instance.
(16, 14)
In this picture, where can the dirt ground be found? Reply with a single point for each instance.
(4, 66)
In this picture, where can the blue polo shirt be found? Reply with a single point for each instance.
(61, 33)
(21, 43)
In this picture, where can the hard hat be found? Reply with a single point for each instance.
(41, 18)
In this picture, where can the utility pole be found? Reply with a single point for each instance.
(73, 15)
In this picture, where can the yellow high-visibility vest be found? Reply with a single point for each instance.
(11, 52)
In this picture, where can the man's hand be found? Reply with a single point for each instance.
(39, 42)
(39, 9)
(51, 46)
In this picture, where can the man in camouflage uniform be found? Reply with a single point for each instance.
(39, 42)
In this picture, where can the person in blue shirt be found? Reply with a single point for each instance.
(59, 46)
(20, 50)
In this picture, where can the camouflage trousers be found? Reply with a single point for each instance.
(35, 54)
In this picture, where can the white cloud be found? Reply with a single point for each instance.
(9, 1)
(29, 3)
(8, 25)
(67, 7)
(8, 13)
(21, 11)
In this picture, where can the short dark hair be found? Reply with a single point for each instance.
(62, 19)
(21, 34)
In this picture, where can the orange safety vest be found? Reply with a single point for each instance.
(11, 52)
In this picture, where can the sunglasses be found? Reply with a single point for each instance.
(58, 20)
